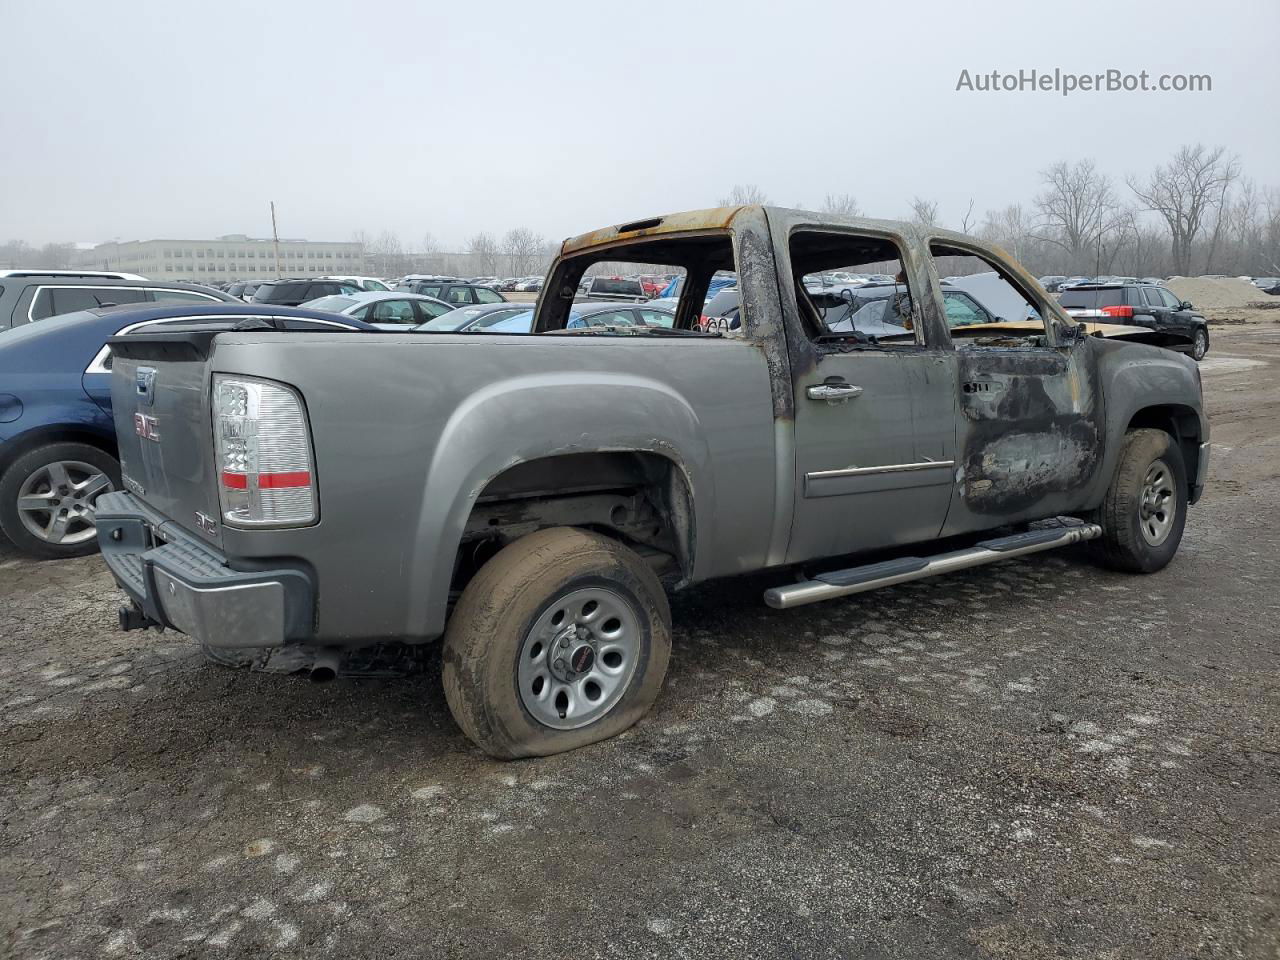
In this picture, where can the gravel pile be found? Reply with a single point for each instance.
(1207, 294)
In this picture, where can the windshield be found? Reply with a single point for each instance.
(628, 288)
(334, 303)
(1097, 297)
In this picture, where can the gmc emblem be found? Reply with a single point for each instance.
(148, 428)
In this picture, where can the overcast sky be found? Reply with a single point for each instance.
(141, 120)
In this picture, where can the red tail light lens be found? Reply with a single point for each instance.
(263, 446)
(1119, 312)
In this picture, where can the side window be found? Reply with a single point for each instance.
(460, 295)
(70, 299)
(990, 291)
(1153, 296)
(430, 291)
(610, 318)
(393, 311)
(485, 295)
(429, 311)
(963, 310)
(853, 288)
(657, 318)
(1169, 299)
(361, 314)
(184, 296)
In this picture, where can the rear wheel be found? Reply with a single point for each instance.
(1145, 508)
(48, 498)
(561, 640)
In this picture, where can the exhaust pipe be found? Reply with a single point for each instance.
(325, 666)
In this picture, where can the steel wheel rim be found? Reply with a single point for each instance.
(1201, 344)
(58, 500)
(578, 658)
(1158, 506)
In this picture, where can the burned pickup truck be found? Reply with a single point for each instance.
(529, 499)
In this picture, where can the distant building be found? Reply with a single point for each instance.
(233, 257)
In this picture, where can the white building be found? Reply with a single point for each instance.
(233, 257)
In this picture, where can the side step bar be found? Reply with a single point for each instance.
(842, 583)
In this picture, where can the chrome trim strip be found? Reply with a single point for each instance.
(84, 286)
(872, 471)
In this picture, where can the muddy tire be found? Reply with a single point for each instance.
(561, 640)
(48, 495)
(1145, 508)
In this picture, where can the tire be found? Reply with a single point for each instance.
(1199, 343)
(530, 596)
(88, 472)
(1136, 538)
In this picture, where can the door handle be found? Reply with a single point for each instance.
(833, 391)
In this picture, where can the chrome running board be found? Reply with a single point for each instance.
(842, 583)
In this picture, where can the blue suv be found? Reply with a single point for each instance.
(57, 437)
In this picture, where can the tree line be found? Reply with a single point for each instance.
(1196, 213)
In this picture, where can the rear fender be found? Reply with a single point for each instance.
(536, 416)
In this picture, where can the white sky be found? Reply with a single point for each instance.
(148, 119)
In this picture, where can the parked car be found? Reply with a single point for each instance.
(518, 318)
(368, 284)
(390, 310)
(529, 285)
(1052, 283)
(554, 485)
(1173, 323)
(1267, 284)
(477, 317)
(455, 292)
(297, 291)
(614, 288)
(57, 438)
(243, 289)
(28, 296)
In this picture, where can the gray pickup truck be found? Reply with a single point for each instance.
(531, 498)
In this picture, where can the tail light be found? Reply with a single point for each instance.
(1124, 313)
(263, 448)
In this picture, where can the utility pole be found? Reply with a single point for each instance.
(275, 238)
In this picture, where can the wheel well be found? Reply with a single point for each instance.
(11, 450)
(1181, 423)
(641, 499)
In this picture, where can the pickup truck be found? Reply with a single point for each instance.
(530, 499)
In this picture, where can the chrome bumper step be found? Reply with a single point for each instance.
(872, 576)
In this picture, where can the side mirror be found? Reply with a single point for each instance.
(1185, 305)
(1068, 335)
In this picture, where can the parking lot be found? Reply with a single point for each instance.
(1035, 759)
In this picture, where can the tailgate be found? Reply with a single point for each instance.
(161, 406)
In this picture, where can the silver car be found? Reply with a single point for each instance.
(391, 310)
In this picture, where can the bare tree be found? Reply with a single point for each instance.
(841, 204)
(1184, 191)
(522, 248)
(483, 251)
(967, 221)
(743, 193)
(1076, 208)
(387, 254)
(924, 213)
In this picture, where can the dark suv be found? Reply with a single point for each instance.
(32, 295)
(291, 293)
(456, 293)
(1175, 323)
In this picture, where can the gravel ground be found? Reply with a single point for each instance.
(1036, 759)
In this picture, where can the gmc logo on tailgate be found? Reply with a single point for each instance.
(148, 428)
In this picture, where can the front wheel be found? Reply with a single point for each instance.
(561, 640)
(1199, 343)
(1145, 508)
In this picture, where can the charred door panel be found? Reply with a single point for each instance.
(1029, 433)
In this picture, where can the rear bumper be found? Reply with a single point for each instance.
(178, 582)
